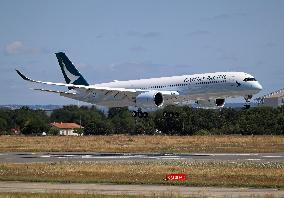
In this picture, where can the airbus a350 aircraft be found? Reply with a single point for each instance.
(207, 90)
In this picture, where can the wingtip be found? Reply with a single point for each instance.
(22, 75)
(18, 72)
(57, 53)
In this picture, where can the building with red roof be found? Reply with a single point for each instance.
(66, 128)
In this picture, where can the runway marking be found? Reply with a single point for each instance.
(87, 156)
(124, 156)
(273, 156)
(233, 154)
(172, 158)
(45, 156)
(69, 155)
(107, 157)
(93, 156)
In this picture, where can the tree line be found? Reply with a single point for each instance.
(184, 121)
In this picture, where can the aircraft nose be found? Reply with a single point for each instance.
(258, 86)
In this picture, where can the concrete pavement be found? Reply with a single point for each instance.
(110, 189)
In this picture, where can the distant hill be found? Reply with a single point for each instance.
(34, 107)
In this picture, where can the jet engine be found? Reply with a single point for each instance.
(150, 99)
(211, 103)
(220, 102)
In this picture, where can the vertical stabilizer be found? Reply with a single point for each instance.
(70, 73)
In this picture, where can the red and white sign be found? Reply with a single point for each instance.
(176, 177)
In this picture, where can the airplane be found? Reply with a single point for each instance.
(208, 90)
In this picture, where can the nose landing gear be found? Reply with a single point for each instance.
(139, 114)
(247, 106)
(247, 99)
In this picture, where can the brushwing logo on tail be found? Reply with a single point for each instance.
(71, 77)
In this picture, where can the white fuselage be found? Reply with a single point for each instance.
(187, 88)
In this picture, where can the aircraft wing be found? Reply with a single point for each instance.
(76, 86)
(121, 93)
(102, 90)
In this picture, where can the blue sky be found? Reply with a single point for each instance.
(129, 39)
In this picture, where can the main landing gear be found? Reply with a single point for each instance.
(139, 114)
(247, 99)
(168, 114)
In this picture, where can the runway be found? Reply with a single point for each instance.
(28, 157)
(113, 189)
(110, 189)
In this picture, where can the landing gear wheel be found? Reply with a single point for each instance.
(134, 114)
(247, 99)
(165, 114)
(171, 114)
(176, 115)
(140, 114)
(247, 106)
(145, 114)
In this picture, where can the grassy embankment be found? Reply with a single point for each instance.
(126, 143)
(231, 174)
(72, 195)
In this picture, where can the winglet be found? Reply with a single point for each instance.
(22, 75)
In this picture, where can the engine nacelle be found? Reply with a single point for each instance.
(220, 102)
(150, 99)
(211, 103)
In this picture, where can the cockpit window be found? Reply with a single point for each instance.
(249, 79)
